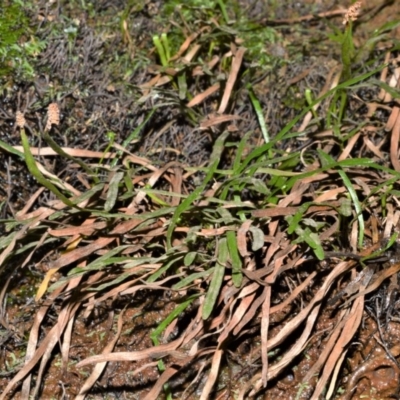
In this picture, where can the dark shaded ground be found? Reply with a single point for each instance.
(83, 75)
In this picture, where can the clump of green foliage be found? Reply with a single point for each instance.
(18, 45)
(282, 201)
(230, 21)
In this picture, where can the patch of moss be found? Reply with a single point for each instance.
(18, 46)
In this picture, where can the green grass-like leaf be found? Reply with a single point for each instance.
(357, 206)
(133, 135)
(325, 158)
(113, 189)
(260, 114)
(50, 141)
(34, 170)
(217, 279)
(235, 258)
(11, 149)
(178, 310)
(184, 206)
(189, 279)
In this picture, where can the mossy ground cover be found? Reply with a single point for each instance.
(199, 200)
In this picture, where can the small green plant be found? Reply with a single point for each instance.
(225, 241)
(233, 23)
(348, 57)
(14, 362)
(18, 46)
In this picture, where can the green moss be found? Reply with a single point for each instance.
(18, 46)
